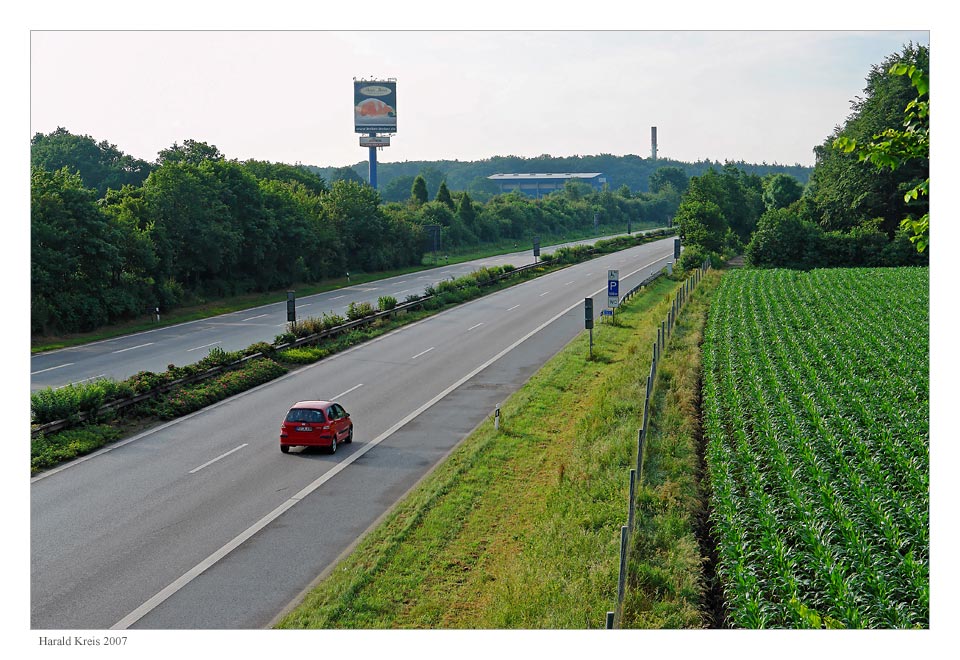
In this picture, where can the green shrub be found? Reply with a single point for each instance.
(284, 338)
(261, 347)
(332, 321)
(306, 327)
(216, 358)
(144, 381)
(50, 405)
(188, 398)
(49, 450)
(356, 311)
(303, 355)
(386, 303)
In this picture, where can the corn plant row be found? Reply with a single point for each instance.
(816, 416)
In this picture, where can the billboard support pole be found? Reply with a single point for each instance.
(373, 165)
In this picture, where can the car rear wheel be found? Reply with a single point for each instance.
(333, 445)
(349, 437)
(285, 449)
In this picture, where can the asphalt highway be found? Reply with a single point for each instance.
(202, 523)
(185, 343)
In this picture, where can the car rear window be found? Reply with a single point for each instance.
(304, 415)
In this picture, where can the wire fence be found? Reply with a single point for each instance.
(664, 333)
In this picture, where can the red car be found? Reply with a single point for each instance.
(316, 424)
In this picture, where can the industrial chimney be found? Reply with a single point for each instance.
(653, 142)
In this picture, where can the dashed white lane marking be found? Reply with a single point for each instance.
(197, 469)
(124, 350)
(423, 353)
(343, 394)
(208, 345)
(59, 366)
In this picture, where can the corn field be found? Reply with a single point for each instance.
(816, 419)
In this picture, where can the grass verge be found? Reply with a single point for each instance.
(671, 582)
(518, 528)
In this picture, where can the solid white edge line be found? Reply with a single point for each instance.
(189, 576)
(197, 469)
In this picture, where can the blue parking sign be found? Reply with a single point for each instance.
(613, 288)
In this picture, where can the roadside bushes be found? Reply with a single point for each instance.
(312, 326)
(784, 240)
(303, 354)
(47, 451)
(386, 303)
(572, 254)
(50, 405)
(356, 311)
(188, 398)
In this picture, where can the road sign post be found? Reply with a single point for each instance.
(291, 306)
(536, 248)
(588, 320)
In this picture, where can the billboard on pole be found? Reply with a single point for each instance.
(375, 106)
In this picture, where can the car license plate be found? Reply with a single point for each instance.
(304, 428)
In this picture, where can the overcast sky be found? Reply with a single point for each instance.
(287, 96)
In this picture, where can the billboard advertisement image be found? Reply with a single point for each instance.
(375, 106)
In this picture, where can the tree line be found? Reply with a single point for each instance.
(864, 205)
(629, 170)
(113, 237)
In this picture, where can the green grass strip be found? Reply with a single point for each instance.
(666, 585)
(518, 528)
